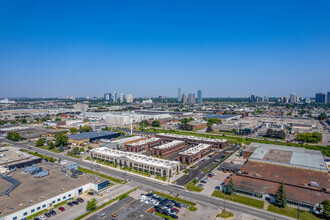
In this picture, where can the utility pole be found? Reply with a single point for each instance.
(224, 203)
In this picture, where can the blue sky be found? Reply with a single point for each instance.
(150, 48)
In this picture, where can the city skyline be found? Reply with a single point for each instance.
(222, 48)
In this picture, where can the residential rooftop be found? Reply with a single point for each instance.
(142, 142)
(193, 138)
(140, 158)
(169, 145)
(195, 150)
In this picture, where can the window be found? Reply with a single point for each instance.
(25, 213)
(15, 218)
(43, 206)
(69, 195)
(53, 201)
(58, 200)
(38, 208)
(64, 197)
(33, 210)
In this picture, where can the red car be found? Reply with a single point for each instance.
(210, 175)
(177, 210)
(61, 208)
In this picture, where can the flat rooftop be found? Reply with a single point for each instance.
(91, 134)
(124, 140)
(288, 156)
(11, 155)
(142, 142)
(193, 138)
(139, 158)
(32, 190)
(195, 150)
(169, 145)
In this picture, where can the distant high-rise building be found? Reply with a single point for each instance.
(107, 96)
(199, 97)
(122, 98)
(293, 98)
(114, 97)
(129, 98)
(328, 97)
(184, 98)
(320, 97)
(253, 98)
(179, 95)
(191, 98)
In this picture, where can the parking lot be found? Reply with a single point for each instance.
(211, 182)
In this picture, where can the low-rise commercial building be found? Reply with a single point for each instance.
(33, 195)
(168, 148)
(195, 153)
(121, 143)
(192, 140)
(137, 161)
(143, 145)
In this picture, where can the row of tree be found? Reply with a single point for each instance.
(314, 137)
(275, 134)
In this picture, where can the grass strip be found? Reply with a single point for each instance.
(240, 199)
(225, 214)
(292, 212)
(113, 179)
(192, 186)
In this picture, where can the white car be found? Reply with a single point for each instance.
(42, 217)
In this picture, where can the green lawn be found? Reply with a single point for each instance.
(163, 216)
(225, 214)
(113, 179)
(240, 199)
(50, 159)
(292, 212)
(46, 147)
(192, 187)
(177, 199)
(73, 155)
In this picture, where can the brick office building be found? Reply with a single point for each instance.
(143, 145)
(194, 154)
(168, 149)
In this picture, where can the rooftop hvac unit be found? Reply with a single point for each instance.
(315, 184)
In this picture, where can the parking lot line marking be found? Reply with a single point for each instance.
(123, 206)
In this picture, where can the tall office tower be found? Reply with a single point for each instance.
(320, 98)
(328, 97)
(114, 97)
(107, 96)
(129, 98)
(199, 97)
(184, 98)
(122, 98)
(253, 98)
(179, 95)
(293, 98)
(191, 98)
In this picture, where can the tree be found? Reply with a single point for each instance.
(275, 134)
(40, 142)
(209, 129)
(90, 148)
(57, 119)
(86, 128)
(186, 127)
(155, 123)
(322, 116)
(230, 188)
(281, 196)
(91, 204)
(50, 145)
(14, 136)
(23, 121)
(73, 130)
(234, 131)
(61, 140)
(82, 149)
(75, 150)
(326, 208)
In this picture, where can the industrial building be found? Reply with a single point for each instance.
(137, 161)
(143, 145)
(12, 157)
(168, 148)
(195, 153)
(192, 140)
(33, 194)
(303, 172)
(121, 143)
(92, 136)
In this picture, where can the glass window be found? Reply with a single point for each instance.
(32, 210)
(15, 218)
(53, 201)
(69, 195)
(43, 206)
(38, 208)
(58, 200)
(64, 197)
(25, 213)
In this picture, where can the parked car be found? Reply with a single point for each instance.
(201, 185)
(52, 212)
(75, 202)
(47, 214)
(90, 193)
(61, 208)
(218, 187)
(80, 200)
(203, 181)
(70, 204)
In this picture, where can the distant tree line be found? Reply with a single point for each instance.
(275, 134)
(314, 137)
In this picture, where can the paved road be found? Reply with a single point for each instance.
(172, 189)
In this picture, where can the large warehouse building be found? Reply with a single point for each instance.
(137, 161)
(92, 136)
(303, 172)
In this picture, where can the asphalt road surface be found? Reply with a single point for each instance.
(172, 189)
